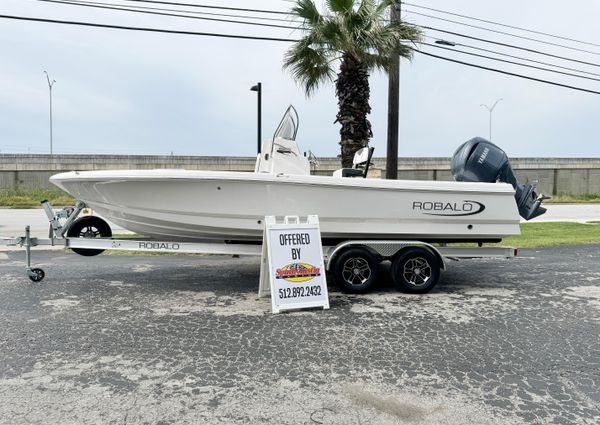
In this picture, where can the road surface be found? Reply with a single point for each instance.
(570, 212)
(13, 222)
(119, 339)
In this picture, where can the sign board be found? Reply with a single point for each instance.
(292, 267)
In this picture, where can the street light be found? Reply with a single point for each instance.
(490, 110)
(258, 89)
(50, 85)
(445, 43)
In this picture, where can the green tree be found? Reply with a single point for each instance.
(357, 36)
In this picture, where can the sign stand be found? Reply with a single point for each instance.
(292, 269)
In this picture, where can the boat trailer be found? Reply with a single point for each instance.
(415, 267)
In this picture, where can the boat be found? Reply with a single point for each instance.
(190, 205)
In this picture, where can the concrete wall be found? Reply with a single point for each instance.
(555, 175)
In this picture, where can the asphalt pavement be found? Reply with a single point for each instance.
(120, 339)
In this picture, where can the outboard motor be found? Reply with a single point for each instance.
(481, 161)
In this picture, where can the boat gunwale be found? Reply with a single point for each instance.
(116, 176)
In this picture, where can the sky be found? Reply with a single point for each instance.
(125, 92)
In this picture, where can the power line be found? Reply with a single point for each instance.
(194, 12)
(239, 9)
(292, 1)
(503, 25)
(246, 37)
(87, 4)
(481, 49)
(512, 46)
(511, 62)
(145, 29)
(293, 28)
(508, 73)
(505, 33)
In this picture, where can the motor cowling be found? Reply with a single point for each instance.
(479, 160)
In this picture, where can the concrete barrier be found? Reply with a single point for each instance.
(556, 175)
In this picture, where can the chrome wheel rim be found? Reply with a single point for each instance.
(417, 271)
(356, 271)
(89, 232)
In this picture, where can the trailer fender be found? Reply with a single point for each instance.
(383, 249)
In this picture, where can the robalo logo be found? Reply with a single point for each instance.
(450, 209)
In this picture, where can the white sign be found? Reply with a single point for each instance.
(292, 264)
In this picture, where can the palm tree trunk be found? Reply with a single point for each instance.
(352, 91)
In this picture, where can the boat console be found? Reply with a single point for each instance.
(479, 160)
(280, 155)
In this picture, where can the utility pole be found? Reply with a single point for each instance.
(50, 85)
(391, 163)
(490, 110)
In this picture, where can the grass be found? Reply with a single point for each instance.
(535, 235)
(31, 198)
(565, 198)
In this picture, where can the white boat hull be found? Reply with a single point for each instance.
(185, 205)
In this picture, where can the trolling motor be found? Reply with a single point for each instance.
(481, 161)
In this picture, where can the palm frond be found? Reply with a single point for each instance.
(343, 7)
(357, 28)
(384, 5)
(366, 8)
(307, 10)
(309, 64)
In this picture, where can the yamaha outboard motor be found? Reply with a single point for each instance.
(481, 161)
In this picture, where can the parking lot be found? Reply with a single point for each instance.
(184, 339)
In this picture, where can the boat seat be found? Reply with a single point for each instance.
(351, 172)
(361, 163)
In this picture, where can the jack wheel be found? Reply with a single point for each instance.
(89, 227)
(416, 270)
(36, 275)
(356, 270)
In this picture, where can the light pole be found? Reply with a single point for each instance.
(490, 110)
(258, 89)
(50, 85)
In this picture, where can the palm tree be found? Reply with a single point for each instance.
(357, 35)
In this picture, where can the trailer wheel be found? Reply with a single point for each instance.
(89, 227)
(356, 270)
(36, 275)
(416, 270)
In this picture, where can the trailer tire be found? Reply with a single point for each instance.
(36, 275)
(356, 270)
(416, 270)
(89, 227)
